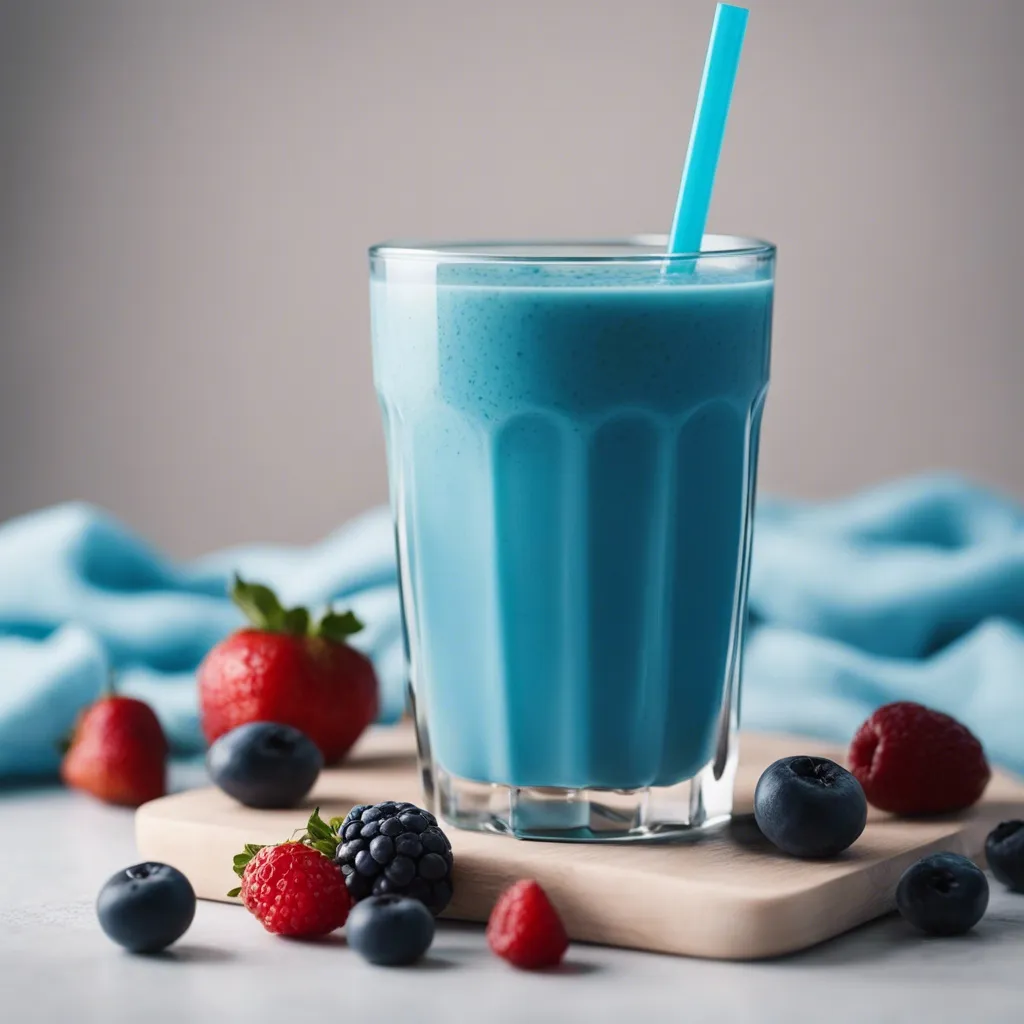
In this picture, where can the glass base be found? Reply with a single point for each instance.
(590, 815)
(584, 815)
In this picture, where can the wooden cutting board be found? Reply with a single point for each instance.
(728, 895)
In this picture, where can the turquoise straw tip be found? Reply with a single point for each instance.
(712, 111)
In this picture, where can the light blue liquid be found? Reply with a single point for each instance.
(572, 461)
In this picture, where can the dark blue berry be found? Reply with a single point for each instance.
(359, 886)
(390, 930)
(414, 822)
(435, 842)
(146, 907)
(410, 844)
(944, 894)
(264, 764)
(420, 889)
(443, 892)
(382, 849)
(810, 806)
(395, 848)
(401, 871)
(365, 864)
(1004, 849)
(432, 867)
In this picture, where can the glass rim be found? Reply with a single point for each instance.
(633, 249)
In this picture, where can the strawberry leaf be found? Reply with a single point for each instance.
(320, 835)
(260, 605)
(235, 892)
(263, 609)
(241, 860)
(317, 828)
(296, 621)
(338, 626)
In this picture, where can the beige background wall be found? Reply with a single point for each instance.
(187, 189)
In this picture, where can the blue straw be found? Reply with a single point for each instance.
(709, 118)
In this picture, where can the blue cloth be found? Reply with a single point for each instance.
(80, 596)
(912, 590)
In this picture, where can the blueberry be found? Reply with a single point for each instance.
(944, 894)
(809, 806)
(390, 930)
(264, 764)
(146, 907)
(1004, 849)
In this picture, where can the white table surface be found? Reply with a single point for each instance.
(56, 964)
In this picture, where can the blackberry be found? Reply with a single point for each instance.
(395, 848)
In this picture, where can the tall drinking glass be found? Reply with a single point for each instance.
(572, 435)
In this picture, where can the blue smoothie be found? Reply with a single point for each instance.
(572, 457)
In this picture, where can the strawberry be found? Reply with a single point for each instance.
(117, 753)
(293, 889)
(912, 760)
(287, 669)
(525, 929)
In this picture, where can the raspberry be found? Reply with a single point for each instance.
(912, 760)
(395, 848)
(525, 928)
(293, 889)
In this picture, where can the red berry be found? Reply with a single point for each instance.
(525, 928)
(118, 753)
(285, 670)
(295, 890)
(912, 760)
